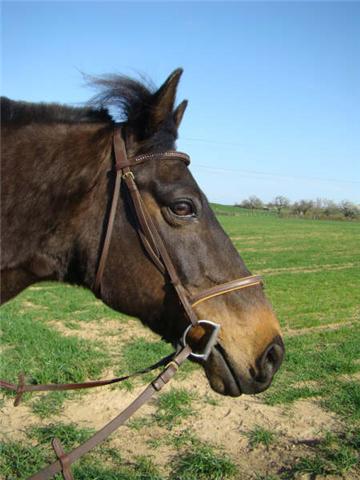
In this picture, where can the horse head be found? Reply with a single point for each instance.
(249, 349)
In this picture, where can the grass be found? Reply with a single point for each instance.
(179, 439)
(65, 303)
(204, 463)
(266, 477)
(196, 460)
(139, 422)
(260, 436)
(306, 300)
(140, 353)
(344, 400)
(70, 435)
(312, 277)
(45, 406)
(184, 438)
(320, 358)
(173, 407)
(43, 354)
(142, 468)
(335, 455)
(20, 460)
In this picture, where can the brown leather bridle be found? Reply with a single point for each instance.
(154, 244)
(156, 249)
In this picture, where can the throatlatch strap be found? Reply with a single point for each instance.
(108, 235)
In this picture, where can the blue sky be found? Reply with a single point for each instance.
(273, 88)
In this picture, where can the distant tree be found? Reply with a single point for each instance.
(330, 208)
(316, 209)
(302, 207)
(253, 202)
(280, 202)
(349, 209)
(295, 208)
(318, 204)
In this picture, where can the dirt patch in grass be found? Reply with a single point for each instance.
(246, 239)
(106, 330)
(292, 332)
(306, 269)
(26, 304)
(226, 423)
(40, 287)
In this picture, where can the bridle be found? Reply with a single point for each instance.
(153, 243)
(155, 247)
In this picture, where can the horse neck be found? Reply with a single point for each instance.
(54, 196)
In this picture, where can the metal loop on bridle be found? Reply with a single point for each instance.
(211, 340)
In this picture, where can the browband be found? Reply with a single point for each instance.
(123, 161)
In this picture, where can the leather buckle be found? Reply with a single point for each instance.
(128, 174)
(204, 355)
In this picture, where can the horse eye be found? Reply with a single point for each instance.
(183, 208)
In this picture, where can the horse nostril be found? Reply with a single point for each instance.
(274, 356)
(269, 362)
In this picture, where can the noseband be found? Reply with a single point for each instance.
(153, 243)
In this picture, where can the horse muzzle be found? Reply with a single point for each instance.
(227, 378)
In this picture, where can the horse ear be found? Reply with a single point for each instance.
(179, 112)
(164, 98)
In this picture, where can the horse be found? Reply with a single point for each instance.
(57, 186)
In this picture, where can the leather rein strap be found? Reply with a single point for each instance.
(63, 464)
(22, 387)
(156, 249)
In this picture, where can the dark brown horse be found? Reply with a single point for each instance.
(57, 182)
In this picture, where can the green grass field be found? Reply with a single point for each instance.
(313, 280)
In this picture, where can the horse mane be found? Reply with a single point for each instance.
(135, 103)
(22, 113)
(128, 98)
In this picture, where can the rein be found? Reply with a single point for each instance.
(155, 247)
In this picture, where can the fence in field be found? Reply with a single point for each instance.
(239, 211)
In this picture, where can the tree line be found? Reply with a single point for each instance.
(321, 208)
